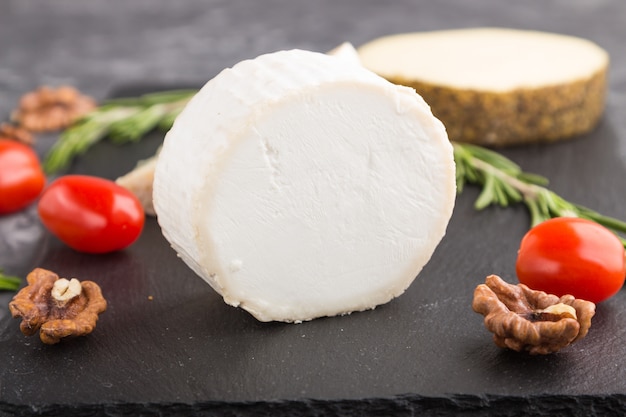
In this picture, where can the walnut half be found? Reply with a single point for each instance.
(57, 307)
(532, 321)
(47, 109)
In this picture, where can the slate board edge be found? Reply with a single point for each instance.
(404, 405)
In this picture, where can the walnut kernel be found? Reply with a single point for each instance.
(9, 131)
(522, 319)
(58, 308)
(64, 290)
(50, 109)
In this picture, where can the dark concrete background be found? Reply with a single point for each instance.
(98, 44)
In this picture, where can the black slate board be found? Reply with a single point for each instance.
(169, 345)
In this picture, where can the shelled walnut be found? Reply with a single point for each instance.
(50, 109)
(12, 132)
(57, 307)
(522, 319)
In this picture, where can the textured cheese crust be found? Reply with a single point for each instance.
(497, 86)
(300, 185)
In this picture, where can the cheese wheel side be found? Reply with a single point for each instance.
(299, 185)
(498, 86)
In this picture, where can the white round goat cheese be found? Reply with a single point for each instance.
(301, 185)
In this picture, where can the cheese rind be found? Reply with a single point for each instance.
(301, 185)
(498, 86)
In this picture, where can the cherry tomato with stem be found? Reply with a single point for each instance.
(570, 255)
(21, 176)
(91, 214)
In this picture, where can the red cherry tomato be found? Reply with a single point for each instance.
(572, 256)
(91, 214)
(21, 176)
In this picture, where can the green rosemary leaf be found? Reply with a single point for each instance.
(8, 282)
(532, 178)
(123, 120)
(493, 158)
(167, 121)
(460, 178)
(503, 183)
(500, 195)
(135, 126)
(73, 142)
(545, 204)
(151, 99)
(513, 195)
(486, 196)
(608, 222)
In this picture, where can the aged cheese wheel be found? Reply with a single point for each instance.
(301, 185)
(494, 86)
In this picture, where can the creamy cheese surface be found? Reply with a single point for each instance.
(491, 59)
(301, 185)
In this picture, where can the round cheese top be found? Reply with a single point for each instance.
(491, 59)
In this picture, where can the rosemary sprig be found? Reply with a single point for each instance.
(8, 282)
(121, 120)
(504, 183)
